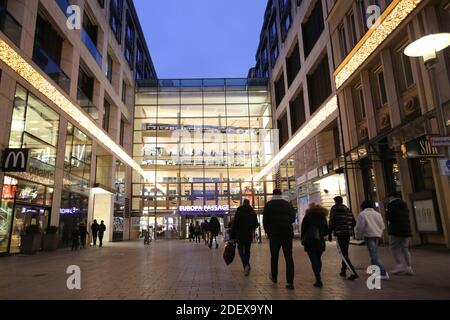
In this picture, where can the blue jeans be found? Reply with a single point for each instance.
(316, 262)
(372, 245)
(244, 253)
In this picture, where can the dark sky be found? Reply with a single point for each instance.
(201, 38)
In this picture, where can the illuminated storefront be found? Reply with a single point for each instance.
(200, 141)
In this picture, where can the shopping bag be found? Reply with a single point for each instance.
(229, 251)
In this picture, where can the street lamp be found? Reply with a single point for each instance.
(427, 47)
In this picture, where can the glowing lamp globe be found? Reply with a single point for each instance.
(428, 46)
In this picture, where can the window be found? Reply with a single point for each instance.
(124, 92)
(313, 28)
(293, 64)
(406, 69)
(283, 130)
(115, 18)
(358, 103)
(122, 131)
(109, 68)
(363, 12)
(297, 109)
(140, 62)
(106, 115)
(129, 41)
(274, 55)
(279, 90)
(319, 85)
(342, 41)
(352, 29)
(381, 86)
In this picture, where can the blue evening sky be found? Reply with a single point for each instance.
(201, 38)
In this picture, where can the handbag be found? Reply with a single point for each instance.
(229, 252)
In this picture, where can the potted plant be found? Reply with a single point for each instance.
(50, 239)
(31, 240)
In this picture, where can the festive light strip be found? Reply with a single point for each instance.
(391, 19)
(15, 61)
(324, 113)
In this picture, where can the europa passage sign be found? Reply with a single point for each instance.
(199, 210)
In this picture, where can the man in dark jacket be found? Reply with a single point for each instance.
(245, 224)
(94, 229)
(101, 232)
(214, 229)
(399, 228)
(341, 225)
(278, 217)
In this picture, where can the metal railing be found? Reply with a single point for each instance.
(86, 104)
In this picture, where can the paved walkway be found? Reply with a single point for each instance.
(181, 270)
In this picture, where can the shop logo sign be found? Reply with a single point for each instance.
(15, 160)
(73, 17)
(74, 280)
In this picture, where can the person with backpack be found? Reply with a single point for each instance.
(370, 225)
(314, 229)
(341, 225)
(399, 229)
(278, 217)
(245, 223)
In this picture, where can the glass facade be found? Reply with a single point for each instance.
(27, 196)
(200, 142)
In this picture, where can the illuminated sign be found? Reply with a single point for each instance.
(15, 160)
(68, 211)
(214, 209)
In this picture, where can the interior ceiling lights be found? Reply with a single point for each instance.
(391, 18)
(15, 61)
(324, 113)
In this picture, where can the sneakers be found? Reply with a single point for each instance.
(409, 271)
(385, 276)
(318, 284)
(399, 269)
(272, 279)
(290, 286)
(353, 277)
(247, 270)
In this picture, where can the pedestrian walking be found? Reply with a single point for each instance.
(75, 238)
(242, 229)
(205, 231)
(314, 229)
(278, 217)
(399, 229)
(101, 232)
(370, 225)
(82, 228)
(197, 232)
(214, 229)
(94, 230)
(191, 232)
(341, 225)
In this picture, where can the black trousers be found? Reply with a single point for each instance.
(244, 253)
(94, 239)
(197, 238)
(211, 238)
(100, 239)
(316, 262)
(286, 244)
(344, 243)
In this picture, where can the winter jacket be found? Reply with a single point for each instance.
(342, 221)
(95, 228)
(314, 229)
(397, 216)
(101, 230)
(245, 223)
(214, 226)
(278, 217)
(370, 224)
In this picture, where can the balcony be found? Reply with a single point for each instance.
(87, 105)
(10, 27)
(51, 68)
(86, 38)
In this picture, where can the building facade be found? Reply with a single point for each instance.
(200, 142)
(68, 74)
(388, 111)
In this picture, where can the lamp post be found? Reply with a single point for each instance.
(427, 47)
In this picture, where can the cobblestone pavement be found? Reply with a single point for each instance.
(181, 270)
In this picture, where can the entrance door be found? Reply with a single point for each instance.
(25, 216)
